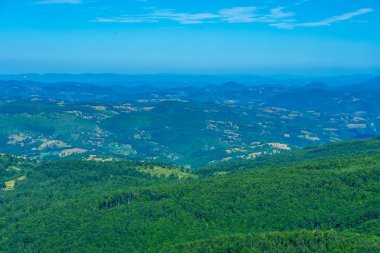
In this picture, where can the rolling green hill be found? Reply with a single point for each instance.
(321, 199)
(192, 126)
(320, 154)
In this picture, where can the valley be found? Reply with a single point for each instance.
(189, 126)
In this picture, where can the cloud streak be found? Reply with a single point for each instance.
(277, 17)
(324, 22)
(301, 2)
(60, 2)
(231, 15)
(237, 15)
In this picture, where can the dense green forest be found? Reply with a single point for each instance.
(319, 199)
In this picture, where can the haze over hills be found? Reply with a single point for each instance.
(188, 125)
(183, 80)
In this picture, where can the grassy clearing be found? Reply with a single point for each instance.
(158, 171)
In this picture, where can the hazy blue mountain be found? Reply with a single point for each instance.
(183, 80)
(191, 125)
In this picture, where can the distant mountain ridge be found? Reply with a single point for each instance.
(368, 85)
(183, 80)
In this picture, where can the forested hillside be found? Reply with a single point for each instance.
(322, 199)
(319, 154)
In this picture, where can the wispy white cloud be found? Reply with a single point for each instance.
(324, 22)
(183, 18)
(232, 15)
(301, 2)
(238, 15)
(157, 16)
(277, 17)
(134, 19)
(279, 13)
(59, 2)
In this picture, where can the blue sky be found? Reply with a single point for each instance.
(198, 36)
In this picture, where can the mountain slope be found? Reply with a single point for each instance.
(84, 206)
(332, 151)
(302, 241)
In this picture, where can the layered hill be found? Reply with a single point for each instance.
(191, 126)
